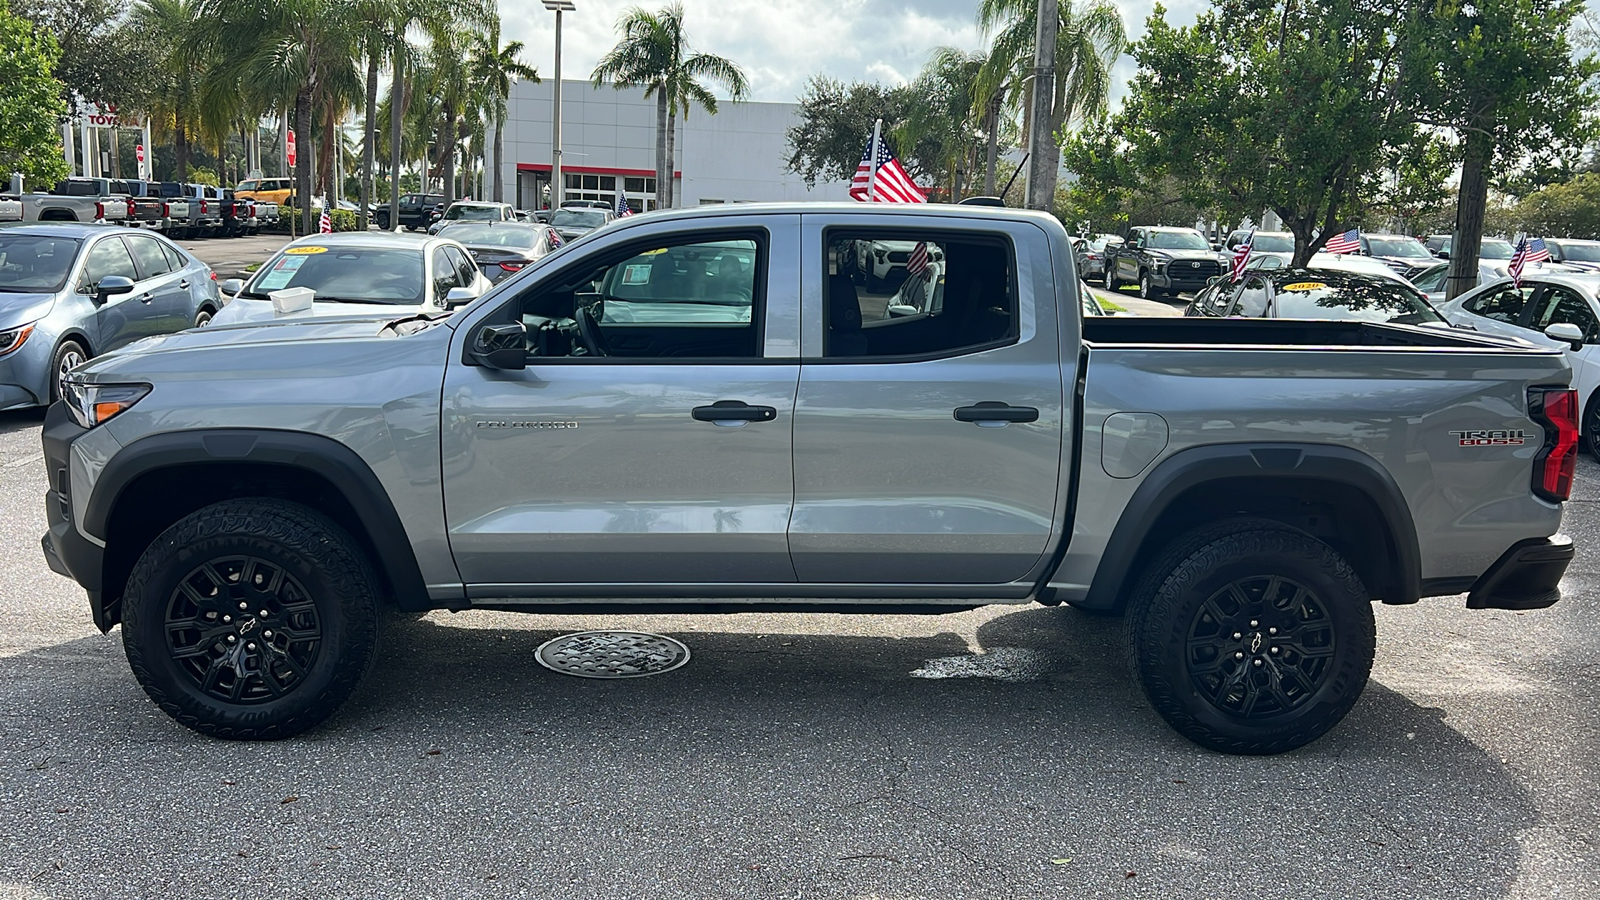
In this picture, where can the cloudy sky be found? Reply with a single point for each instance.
(781, 43)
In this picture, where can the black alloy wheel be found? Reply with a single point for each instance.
(251, 619)
(1591, 427)
(1251, 637)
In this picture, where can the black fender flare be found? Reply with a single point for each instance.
(325, 457)
(1341, 467)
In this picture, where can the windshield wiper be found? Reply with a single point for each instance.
(365, 300)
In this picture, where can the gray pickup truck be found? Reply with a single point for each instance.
(699, 411)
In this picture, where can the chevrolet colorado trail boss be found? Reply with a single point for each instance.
(697, 411)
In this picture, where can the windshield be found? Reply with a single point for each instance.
(522, 238)
(1410, 248)
(577, 218)
(347, 275)
(472, 213)
(1432, 280)
(1493, 249)
(1581, 252)
(1272, 243)
(1364, 301)
(34, 264)
(1177, 240)
(713, 274)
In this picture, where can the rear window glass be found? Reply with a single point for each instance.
(521, 237)
(578, 218)
(1272, 243)
(349, 275)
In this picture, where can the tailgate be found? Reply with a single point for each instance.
(10, 209)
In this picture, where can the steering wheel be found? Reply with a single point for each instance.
(594, 340)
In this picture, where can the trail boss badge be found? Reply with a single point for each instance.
(1511, 438)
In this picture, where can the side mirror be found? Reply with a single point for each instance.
(502, 346)
(232, 286)
(459, 296)
(1442, 254)
(110, 286)
(1571, 334)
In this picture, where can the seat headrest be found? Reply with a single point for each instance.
(844, 307)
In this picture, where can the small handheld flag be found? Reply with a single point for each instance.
(1527, 252)
(1241, 255)
(325, 224)
(623, 209)
(880, 178)
(1349, 242)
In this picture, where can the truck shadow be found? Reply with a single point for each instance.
(771, 762)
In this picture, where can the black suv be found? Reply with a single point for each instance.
(1162, 261)
(415, 211)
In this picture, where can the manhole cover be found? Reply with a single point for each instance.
(612, 654)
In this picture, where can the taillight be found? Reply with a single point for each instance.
(1557, 410)
(213, 276)
(130, 208)
(166, 210)
(512, 266)
(204, 209)
(99, 210)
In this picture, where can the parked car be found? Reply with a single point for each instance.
(474, 211)
(1430, 281)
(272, 190)
(1340, 261)
(415, 210)
(1581, 255)
(1161, 261)
(1091, 256)
(146, 209)
(586, 204)
(1494, 258)
(575, 223)
(1316, 293)
(71, 200)
(70, 292)
(1243, 492)
(359, 273)
(1401, 252)
(1265, 243)
(502, 249)
(1553, 309)
(194, 213)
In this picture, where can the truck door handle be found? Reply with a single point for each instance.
(733, 411)
(997, 413)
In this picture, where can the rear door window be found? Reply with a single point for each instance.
(147, 253)
(1503, 304)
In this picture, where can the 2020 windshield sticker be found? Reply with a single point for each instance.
(1503, 438)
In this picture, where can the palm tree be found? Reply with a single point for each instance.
(1089, 40)
(948, 116)
(495, 69)
(304, 49)
(654, 54)
(174, 93)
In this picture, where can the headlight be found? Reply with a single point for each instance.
(11, 340)
(93, 404)
(1159, 263)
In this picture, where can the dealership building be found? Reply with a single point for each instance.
(608, 142)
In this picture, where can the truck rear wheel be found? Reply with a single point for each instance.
(251, 619)
(1251, 637)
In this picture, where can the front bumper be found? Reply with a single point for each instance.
(66, 550)
(1528, 576)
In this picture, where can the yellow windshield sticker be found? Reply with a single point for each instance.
(1303, 286)
(303, 251)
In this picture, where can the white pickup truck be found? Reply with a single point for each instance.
(72, 200)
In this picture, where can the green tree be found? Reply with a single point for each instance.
(496, 68)
(1566, 210)
(103, 58)
(173, 71)
(654, 54)
(835, 123)
(1293, 107)
(1502, 76)
(30, 101)
(949, 115)
(1090, 38)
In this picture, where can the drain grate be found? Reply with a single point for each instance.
(612, 654)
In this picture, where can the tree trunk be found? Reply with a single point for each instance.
(672, 158)
(1041, 135)
(1474, 196)
(302, 161)
(449, 149)
(369, 152)
(330, 145)
(993, 127)
(663, 165)
(180, 149)
(396, 119)
(499, 163)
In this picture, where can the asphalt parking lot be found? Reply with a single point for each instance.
(799, 756)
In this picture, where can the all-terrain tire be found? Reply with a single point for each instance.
(239, 558)
(1305, 645)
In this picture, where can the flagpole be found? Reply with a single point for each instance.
(872, 167)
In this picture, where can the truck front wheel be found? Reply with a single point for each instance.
(251, 619)
(1251, 637)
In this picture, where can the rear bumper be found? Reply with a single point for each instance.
(1528, 576)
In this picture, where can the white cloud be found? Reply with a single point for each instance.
(781, 43)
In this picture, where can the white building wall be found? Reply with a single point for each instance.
(737, 155)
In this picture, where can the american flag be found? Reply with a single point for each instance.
(892, 185)
(325, 224)
(1528, 251)
(555, 239)
(1349, 242)
(623, 209)
(917, 264)
(1241, 255)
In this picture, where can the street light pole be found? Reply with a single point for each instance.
(556, 185)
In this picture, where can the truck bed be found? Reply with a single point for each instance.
(1288, 333)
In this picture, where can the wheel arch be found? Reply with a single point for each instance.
(1339, 495)
(157, 480)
